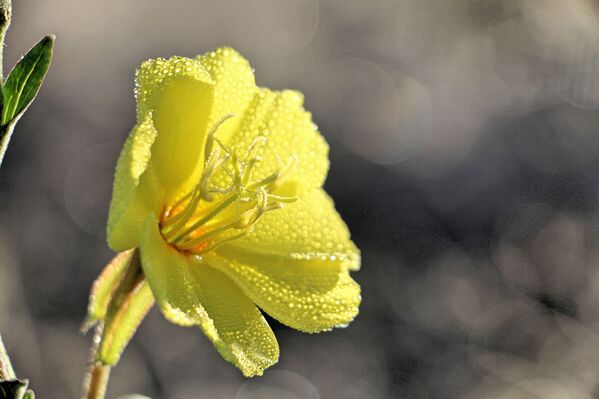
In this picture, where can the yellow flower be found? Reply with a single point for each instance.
(219, 186)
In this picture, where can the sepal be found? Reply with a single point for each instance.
(119, 301)
(122, 323)
(104, 288)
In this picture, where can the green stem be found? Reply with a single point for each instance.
(6, 370)
(5, 14)
(5, 135)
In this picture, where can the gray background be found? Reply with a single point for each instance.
(464, 150)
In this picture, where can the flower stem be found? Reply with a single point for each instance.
(5, 14)
(96, 379)
(6, 370)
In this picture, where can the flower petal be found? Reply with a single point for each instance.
(191, 293)
(307, 228)
(308, 295)
(290, 133)
(135, 189)
(234, 86)
(179, 93)
(233, 89)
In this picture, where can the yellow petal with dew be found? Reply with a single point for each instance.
(135, 191)
(191, 293)
(233, 89)
(179, 93)
(234, 86)
(307, 228)
(291, 137)
(308, 295)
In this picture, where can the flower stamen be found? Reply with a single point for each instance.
(214, 212)
(191, 224)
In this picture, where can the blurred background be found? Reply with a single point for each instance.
(464, 149)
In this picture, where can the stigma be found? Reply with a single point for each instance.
(212, 214)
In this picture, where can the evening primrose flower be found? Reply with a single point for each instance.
(218, 189)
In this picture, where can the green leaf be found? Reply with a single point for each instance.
(21, 87)
(13, 389)
(25, 80)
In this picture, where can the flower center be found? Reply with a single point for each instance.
(212, 214)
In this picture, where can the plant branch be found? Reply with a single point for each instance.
(6, 370)
(5, 14)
